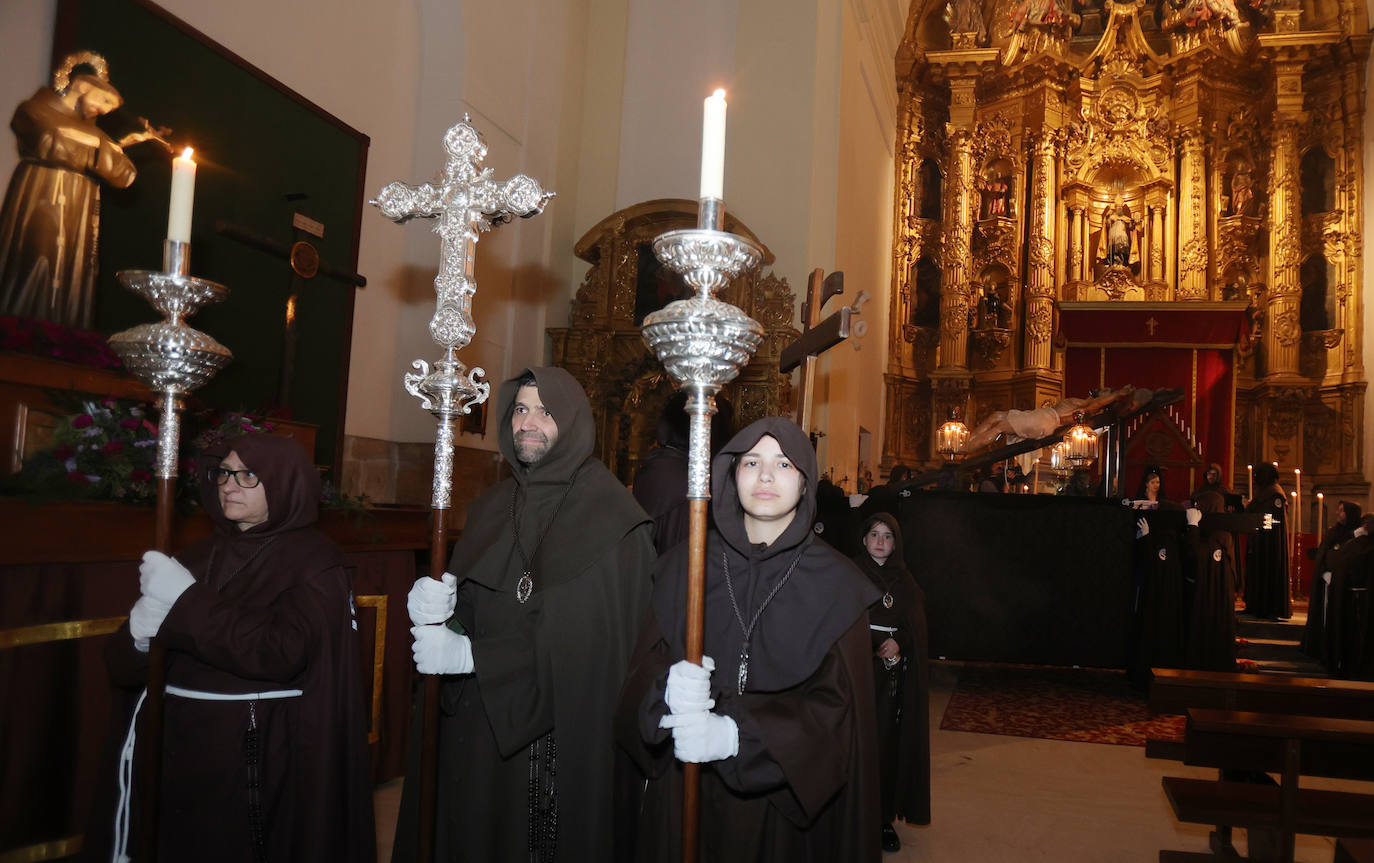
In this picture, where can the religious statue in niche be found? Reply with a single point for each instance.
(1038, 12)
(966, 16)
(995, 192)
(993, 311)
(50, 223)
(1195, 12)
(1242, 190)
(1119, 232)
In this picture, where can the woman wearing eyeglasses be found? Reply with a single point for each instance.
(265, 743)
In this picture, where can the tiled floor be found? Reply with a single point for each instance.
(1002, 799)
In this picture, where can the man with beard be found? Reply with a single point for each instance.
(550, 581)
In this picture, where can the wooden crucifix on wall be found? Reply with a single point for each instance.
(818, 336)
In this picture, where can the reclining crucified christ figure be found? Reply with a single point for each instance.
(1028, 425)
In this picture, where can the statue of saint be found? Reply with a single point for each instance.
(993, 311)
(966, 16)
(995, 193)
(1242, 183)
(1118, 235)
(50, 222)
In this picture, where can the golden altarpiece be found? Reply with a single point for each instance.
(1171, 152)
(603, 348)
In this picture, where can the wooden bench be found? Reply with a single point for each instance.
(1292, 746)
(1354, 851)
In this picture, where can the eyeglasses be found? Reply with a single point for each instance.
(245, 477)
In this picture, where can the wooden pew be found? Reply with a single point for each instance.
(1293, 746)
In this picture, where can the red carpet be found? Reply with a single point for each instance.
(1084, 705)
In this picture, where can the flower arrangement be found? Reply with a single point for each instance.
(53, 340)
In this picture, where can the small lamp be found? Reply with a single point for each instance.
(951, 437)
(1080, 443)
(1059, 459)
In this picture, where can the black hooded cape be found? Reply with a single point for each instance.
(1266, 556)
(271, 609)
(804, 785)
(902, 691)
(546, 671)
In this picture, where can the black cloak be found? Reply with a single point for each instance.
(1160, 617)
(546, 672)
(1211, 635)
(271, 609)
(902, 691)
(1346, 651)
(1266, 556)
(804, 785)
(1314, 632)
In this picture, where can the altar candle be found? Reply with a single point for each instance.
(183, 196)
(1293, 523)
(1321, 515)
(713, 147)
(1297, 499)
(1250, 472)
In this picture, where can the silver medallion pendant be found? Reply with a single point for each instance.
(743, 670)
(523, 588)
(887, 600)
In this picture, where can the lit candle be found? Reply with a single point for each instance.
(1297, 499)
(1321, 515)
(183, 197)
(1250, 471)
(713, 147)
(1293, 524)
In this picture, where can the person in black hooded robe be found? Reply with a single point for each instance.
(265, 729)
(1266, 556)
(1341, 531)
(784, 730)
(550, 582)
(901, 674)
(660, 485)
(1211, 635)
(1345, 639)
(1160, 619)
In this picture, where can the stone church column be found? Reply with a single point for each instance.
(1283, 334)
(954, 277)
(1192, 218)
(1040, 273)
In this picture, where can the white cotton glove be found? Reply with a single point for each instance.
(1360, 531)
(1194, 516)
(432, 601)
(702, 736)
(689, 686)
(162, 578)
(145, 619)
(440, 650)
(1142, 528)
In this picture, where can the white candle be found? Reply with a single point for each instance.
(1293, 525)
(1321, 515)
(183, 197)
(713, 147)
(1297, 499)
(1250, 471)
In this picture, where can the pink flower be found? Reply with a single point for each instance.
(82, 421)
(63, 453)
(138, 474)
(114, 447)
(152, 429)
(129, 423)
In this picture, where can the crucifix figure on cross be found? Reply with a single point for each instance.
(1151, 324)
(819, 335)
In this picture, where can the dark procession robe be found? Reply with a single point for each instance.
(903, 691)
(1211, 636)
(538, 706)
(1314, 632)
(1347, 651)
(804, 785)
(1160, 612)
(271, 609)
(1266, 558)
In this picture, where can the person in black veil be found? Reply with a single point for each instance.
(1159, 621)
(1341, 531)
(1345, 643)
(901, 675)
(785, 734)
(1266, 558)
(1211, 636)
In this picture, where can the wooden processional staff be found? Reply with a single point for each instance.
(465, 200)
(173, 360)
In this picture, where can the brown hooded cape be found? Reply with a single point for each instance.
(903, 691)
(804, 785)
(553, 664)
(271, 609)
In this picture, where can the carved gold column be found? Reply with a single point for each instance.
(1156, 243)
(1040, 274)
(1192, 218)
(906, 246)
(954, 276)
(1075, 244)
(1285, 251)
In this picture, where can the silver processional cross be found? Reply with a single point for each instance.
(465, 200)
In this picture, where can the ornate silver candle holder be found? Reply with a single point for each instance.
(702, 342)
(169, 357)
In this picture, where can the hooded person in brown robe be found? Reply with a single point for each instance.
(551, 575)
(784, 727)
(901, 674)
(265, 739)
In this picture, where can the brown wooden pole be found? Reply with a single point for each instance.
(429, 728)
(696, 625)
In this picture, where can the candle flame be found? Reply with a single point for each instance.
(1297, 470)
(186, 154)
(719, 93)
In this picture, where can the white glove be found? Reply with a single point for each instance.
(145, 619)
(1142, 528)
(162, 578)
(440, 650)
(702, 736)
(432, 601)
(1360, 531)
(1194, 515)
(689, 686)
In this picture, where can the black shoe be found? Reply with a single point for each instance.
(891, 843)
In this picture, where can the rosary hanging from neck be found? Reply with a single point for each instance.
(743, 676)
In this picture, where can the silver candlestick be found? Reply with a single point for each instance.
(169, 357)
